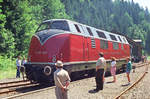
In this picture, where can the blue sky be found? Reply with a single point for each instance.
(142, 3)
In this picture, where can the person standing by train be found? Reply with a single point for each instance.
(128, 68)
(24, 61)
(113, 68)
(62, 80)
(18, 64)
(100, 69)
(22, 68)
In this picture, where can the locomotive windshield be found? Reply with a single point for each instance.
(61, 25)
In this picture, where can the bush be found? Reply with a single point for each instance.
(7, 67)
(6, 63)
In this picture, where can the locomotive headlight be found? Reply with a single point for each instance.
(47, 70)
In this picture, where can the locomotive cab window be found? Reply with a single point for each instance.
(77, 28)
(60, 25)
(89, 30)
(44, 26)
(103, 44)
(113, 37)
(101, 34)
(115, 45)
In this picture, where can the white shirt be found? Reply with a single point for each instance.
(113, 63)
(18, 62)
(101, 62)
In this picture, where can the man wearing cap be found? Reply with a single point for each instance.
(100, 68)
(62, 80)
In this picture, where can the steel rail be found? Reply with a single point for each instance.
(17, 85)
(36, 91)
(136, 82)
(4, 83)
(14, 90)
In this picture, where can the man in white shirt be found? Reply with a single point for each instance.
(18, 64)
(62, 80)
(100, 68)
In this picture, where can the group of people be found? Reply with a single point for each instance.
(101, 69)
(62, 79)
(20, 66)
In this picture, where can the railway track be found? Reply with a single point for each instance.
(48, 88)
(8, 87)
(136, 82)
(11, 84)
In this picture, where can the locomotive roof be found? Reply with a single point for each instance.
(107, 34)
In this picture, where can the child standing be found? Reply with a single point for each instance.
(113, 68)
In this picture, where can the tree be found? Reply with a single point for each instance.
(20, 23)
(6, 37)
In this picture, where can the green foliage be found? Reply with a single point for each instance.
(6, 37)
(7, 67)
(48, 9)
(148, 58)
(20, 24)
(9, 73)
(7, 63)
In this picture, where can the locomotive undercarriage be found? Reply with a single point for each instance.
(35, 72)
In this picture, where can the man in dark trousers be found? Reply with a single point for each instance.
(100, 68)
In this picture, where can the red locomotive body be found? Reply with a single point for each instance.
(75, 44)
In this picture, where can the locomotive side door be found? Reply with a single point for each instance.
(85, 44)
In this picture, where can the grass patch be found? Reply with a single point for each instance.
(8, 74)
(148, 57)
(7, 68)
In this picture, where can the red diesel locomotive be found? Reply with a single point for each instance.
(77, 45)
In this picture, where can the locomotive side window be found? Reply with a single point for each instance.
(103, 44)
(122, 46)
(77, 28)
(119, 38)
(113, 37)
(61, 25)
(89, 30)
(115, 46)
(101, 34)
(124, 39)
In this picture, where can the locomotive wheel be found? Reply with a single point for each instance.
(47, 70)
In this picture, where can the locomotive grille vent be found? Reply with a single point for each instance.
(93, 43)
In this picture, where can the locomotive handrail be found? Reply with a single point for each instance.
(70, 63)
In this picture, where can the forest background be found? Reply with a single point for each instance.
(19, 20)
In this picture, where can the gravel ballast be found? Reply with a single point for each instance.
(83, 89)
